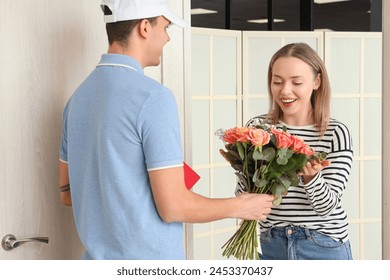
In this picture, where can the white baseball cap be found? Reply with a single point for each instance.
(120, 10)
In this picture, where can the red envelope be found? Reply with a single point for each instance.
(190, 176)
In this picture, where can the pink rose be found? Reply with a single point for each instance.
(307, 150)
(283, 139)
(236, 134)
(298, 144)
(230, 136)
(258, 137)
(300, 147)
(242, 134)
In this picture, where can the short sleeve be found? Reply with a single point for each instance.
(64, 142)
(159, 127)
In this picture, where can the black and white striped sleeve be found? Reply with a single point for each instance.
(327, 187)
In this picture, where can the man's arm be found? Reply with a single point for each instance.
(66, 198)
(177, 204)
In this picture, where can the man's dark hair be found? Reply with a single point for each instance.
(121, 30)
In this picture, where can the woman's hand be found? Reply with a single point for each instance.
(310, 170)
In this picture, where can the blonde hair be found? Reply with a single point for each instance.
(320, 98)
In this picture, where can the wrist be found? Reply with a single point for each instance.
(306, 179)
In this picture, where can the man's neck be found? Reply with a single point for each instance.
(117, 48)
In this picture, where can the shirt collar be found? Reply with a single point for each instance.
(121, 61)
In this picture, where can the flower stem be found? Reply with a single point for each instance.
(247, 166)
(243, 244)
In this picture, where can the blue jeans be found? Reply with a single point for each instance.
(295, 243)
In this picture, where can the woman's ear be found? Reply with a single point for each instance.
(317, 81)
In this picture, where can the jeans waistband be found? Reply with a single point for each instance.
(295, 232)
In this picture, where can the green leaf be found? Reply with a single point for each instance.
(300, 160)
(269, 154)
(285, 153)
(256, 175)
(293, 178)
(258, 148)
(241, 150)
(258, 155)
(285, 180)
(318, 156)
(277, 189)
(282, 161)
(321, 155)
(289, 165)
(289, 153)
(261, 183)
(273, 175)
(232, 152)
(277, 201)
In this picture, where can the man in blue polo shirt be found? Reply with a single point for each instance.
(121, 162)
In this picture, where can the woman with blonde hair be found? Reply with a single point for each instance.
(310, 223)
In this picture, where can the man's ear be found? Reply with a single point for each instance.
(143, 28)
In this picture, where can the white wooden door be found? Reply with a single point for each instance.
(46, 48)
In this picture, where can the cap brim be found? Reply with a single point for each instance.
(175, 19)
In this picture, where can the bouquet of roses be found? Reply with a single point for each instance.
(266, 160)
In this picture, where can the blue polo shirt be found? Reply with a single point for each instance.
(118, 125)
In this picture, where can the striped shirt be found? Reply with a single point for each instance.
(317, 205)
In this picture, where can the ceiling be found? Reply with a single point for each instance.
(338, 15)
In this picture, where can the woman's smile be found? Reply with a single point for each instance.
(288, 101)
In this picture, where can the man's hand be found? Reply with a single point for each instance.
(254, 206)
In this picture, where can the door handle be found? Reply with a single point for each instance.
(10, 242)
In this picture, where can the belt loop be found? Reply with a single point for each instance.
(307, 232)
(269, 232)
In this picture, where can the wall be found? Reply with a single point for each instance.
(386, 131)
